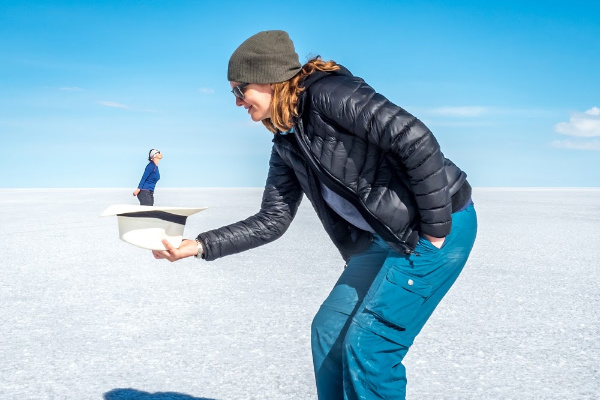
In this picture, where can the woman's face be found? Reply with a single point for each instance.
(257, 100)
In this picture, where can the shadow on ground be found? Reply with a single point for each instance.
(132, 394)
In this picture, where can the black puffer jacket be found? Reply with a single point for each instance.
(369, 151)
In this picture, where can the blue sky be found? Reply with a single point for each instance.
(511, 89)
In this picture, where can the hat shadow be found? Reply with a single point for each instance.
(133, 394)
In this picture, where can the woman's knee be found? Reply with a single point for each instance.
(328, 323)
(317, 324)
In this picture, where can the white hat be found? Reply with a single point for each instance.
(147, 226)
(153, 154)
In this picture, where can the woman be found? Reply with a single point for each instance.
(400, 213)
(145, 190)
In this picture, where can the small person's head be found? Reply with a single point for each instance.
(257, 69)
(154, 153)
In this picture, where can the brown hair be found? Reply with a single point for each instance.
(285, 95)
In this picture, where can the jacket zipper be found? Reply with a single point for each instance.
(316, 166)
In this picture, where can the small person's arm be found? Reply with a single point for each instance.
(147, 171)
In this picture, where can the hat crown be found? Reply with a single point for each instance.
(266, 57)
(153, 154)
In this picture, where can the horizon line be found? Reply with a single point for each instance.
(262, 187)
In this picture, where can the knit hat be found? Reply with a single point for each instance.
(267, 57)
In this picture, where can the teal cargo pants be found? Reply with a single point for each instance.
(381, 302)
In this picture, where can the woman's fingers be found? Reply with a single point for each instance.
(437, 242)
(171, 253)
(168, 246)
(168, 254)
(160, 254)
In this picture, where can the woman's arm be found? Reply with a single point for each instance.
(149, 169)
(281, 198)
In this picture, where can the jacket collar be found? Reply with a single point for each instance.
(312, 79)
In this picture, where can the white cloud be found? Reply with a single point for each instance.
(71, 89)
(577, 144)
(464, 111)
(113, 104)
(586, 124)
(432, 122)
(206, 90)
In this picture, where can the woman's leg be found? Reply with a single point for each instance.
(332, 321)
(397, 306)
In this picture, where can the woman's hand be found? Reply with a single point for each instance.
(136, 191)
(187, 248)
(437, 242)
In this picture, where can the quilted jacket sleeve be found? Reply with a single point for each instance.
(353, 105)
(280, 202)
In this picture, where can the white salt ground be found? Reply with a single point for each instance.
(87, 316)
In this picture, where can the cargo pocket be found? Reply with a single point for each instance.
(398, 299)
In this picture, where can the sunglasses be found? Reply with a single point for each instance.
(238, 91)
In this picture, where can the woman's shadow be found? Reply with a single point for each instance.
(132, 394)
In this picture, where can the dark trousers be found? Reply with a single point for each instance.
(146, 197)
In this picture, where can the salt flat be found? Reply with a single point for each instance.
(87, 316)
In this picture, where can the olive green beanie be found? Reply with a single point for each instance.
(267, 57)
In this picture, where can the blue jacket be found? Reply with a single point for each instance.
(150, 177)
